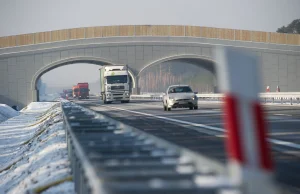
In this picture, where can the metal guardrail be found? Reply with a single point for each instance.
(146, 97)
(271, 97)
(110, 157)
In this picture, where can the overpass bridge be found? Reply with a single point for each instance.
(25, 58)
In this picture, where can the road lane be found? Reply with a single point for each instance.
(283, 124)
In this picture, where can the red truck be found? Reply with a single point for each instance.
(83, 91)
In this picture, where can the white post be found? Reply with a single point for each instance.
(250, 163)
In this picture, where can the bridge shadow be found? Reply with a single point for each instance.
(10, 102)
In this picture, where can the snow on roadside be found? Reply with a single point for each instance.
(33, 151)
(37, 107)
(64, 188)
(2, 118)
(7, 112)
(17, 131)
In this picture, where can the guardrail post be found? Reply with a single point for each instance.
(273, 99)
(281, 99)
(291, 101)
(250, 162)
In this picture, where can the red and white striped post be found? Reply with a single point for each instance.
(277, 89)
(250, 162)
(268, 89)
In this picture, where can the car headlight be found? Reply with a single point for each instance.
(126, 94)
(195, 97)
(108, 94)
(172, 99)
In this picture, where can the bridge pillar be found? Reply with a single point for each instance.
(215, 84)
(35, 95)
(137, 89)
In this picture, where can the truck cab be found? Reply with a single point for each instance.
(115, 84)
(75, 91)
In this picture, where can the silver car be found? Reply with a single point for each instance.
(180, 96)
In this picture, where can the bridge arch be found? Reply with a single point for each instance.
(68, 61)
(198, 60)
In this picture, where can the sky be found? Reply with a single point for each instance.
(20, 17)
(65, 76)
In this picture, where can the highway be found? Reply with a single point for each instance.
(202, 131)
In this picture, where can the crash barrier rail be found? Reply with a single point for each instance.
(146, 97)
(110, 157)
(270, 97)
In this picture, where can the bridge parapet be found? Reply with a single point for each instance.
(149, 30)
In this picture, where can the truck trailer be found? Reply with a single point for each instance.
(114, 84)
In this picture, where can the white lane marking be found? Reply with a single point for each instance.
(274, 141)
(284, 133)
(198, 111)
(284, 143)
(186, 116)
(282, 120)
(283, 115)
(170, 119)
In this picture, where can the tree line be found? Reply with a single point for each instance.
(292, 28)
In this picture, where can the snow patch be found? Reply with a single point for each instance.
(2, 118)
(33, 151)
(7, 112)
(38, 106)
(64, 188)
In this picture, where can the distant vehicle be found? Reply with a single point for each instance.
(75, 91)
(83, 90)
(69, 94)
(180, 96)
(62, 95)
(115, 84)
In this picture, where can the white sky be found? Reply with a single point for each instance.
(70, 75)
(20, 16)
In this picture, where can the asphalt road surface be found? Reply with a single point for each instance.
(202, 131)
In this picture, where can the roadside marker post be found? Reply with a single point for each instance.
(249, 157)
(277, 89)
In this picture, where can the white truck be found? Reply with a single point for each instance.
(115, 84)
